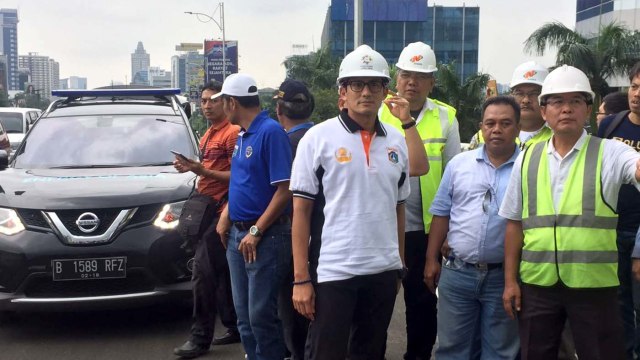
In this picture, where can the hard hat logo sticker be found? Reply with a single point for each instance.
(416, 58)
(367, 59)
(529, 74)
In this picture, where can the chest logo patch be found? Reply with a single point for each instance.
(392, 154)
(343, 155)
(248, 152)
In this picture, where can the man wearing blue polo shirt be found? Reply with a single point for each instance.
(254, 226)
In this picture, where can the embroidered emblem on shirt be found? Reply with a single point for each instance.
(343, 155)
(248, 152)
(393, 155)
(235, 151)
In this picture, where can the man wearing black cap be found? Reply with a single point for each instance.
(294, 107)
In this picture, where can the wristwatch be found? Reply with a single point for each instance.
(253, 230)
(410, 124)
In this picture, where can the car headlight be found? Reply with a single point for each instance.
(169, 216)
(10, 223)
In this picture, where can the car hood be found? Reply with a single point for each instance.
(49, 189)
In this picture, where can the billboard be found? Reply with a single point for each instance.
(213, 59)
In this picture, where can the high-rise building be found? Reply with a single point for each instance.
(389, 25)
(591, 15)
(4, 73)
(44, 72)
(140, 61)
(187, 71)
(9, 44)
(73, 82)
(159, 77)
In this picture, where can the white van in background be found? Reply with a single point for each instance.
(17, 121)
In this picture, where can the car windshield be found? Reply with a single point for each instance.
(12, 122)
(104, 141)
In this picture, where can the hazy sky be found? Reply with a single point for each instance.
(95, 39)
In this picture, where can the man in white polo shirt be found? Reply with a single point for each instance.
(359, 167)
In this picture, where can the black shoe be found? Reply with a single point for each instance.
(190, 350)
(230, 337)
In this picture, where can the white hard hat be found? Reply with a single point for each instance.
(417, 57)
(529, 73)
(566, 79)
(363, 62)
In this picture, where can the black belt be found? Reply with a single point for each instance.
(245, 225)
(485, 266)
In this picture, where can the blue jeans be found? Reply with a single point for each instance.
(628, 294)
(470, 302)
(255, 289)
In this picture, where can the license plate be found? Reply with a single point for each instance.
(85, 269)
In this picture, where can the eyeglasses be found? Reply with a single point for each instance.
(560, 102)
(415, 75)
(519, 95)
(358, 85)
(486, 202)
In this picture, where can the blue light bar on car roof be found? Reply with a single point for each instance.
(114, 92)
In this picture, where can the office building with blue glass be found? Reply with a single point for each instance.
(9, 45)
(389, 25)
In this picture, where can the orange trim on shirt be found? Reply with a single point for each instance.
(366, 137)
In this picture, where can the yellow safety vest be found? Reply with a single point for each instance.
(577, 243)
(542, 135)
(429, 128)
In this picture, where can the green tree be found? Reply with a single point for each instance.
(611, 53)
(4, 98)
(466, 98)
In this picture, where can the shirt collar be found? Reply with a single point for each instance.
(577, 146)
(481, 155)
(306, 125)
(351, 126)
(224, 123)
(255, 124)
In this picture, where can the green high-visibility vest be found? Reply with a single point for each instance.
(430, 129)
(577, 243)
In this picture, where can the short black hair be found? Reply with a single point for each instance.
(245, 101)
(635, 71)
(615, 102)
(297, 110)
(212, 85)
(502, 100)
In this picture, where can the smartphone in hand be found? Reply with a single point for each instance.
(179, 155)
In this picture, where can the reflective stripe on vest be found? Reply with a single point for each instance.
(430, 127)
(578, 244)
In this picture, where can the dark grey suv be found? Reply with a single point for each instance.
(90, 202)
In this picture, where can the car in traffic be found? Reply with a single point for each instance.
(90, 202)
(16, 122)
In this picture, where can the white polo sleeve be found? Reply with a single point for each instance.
(618, 167)
(511, 207)
(304, 180)
(404, 188)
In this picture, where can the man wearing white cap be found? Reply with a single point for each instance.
(359, 167)
(254, 226)
(561, 229)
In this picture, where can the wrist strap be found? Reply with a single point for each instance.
(301, 282)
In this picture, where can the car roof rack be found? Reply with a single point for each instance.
(77, 95)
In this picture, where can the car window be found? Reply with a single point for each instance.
(12, 122)
(122, 140)
(33, 116)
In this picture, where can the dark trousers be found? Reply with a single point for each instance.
(593, 316)
(352, 317)
(211, 288)
(420, 303)
(294, 325)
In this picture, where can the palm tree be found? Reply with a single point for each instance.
(610, 54)
(466, 98)
(317, 69)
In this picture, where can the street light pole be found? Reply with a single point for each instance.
(220, 26)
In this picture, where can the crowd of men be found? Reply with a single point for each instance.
(528, 240)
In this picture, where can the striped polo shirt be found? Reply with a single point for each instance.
(362, 177)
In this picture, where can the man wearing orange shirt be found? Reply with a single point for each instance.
(211, 281)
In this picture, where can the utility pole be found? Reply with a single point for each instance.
(357, 23)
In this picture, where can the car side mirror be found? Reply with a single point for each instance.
(4, 159)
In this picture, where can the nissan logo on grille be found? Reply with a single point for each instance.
(88, 222)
